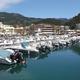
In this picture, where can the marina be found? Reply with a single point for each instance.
(39, 39)
(40, 56)
(60, 64)
(35, 44)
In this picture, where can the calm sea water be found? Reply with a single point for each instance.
(57, 65)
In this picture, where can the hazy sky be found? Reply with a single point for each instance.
(42, 8)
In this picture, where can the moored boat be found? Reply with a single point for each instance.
(9, 57)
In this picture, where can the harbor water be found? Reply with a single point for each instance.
(61, 64)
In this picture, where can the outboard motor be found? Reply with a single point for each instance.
(17, 56)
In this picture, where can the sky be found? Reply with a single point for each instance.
(42, 8)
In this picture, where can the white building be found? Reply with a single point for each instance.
(6, 29)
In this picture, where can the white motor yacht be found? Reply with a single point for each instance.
(5, 56)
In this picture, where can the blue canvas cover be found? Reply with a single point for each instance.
(4, 53)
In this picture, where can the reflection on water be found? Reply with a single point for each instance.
(63, 64)
(17, 68)
(76, 48)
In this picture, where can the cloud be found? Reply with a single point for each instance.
(7, 3)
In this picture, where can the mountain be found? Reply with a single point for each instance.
(18, 19)
(53, 21)
(73, 21)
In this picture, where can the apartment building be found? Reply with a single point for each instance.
(47, 29)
